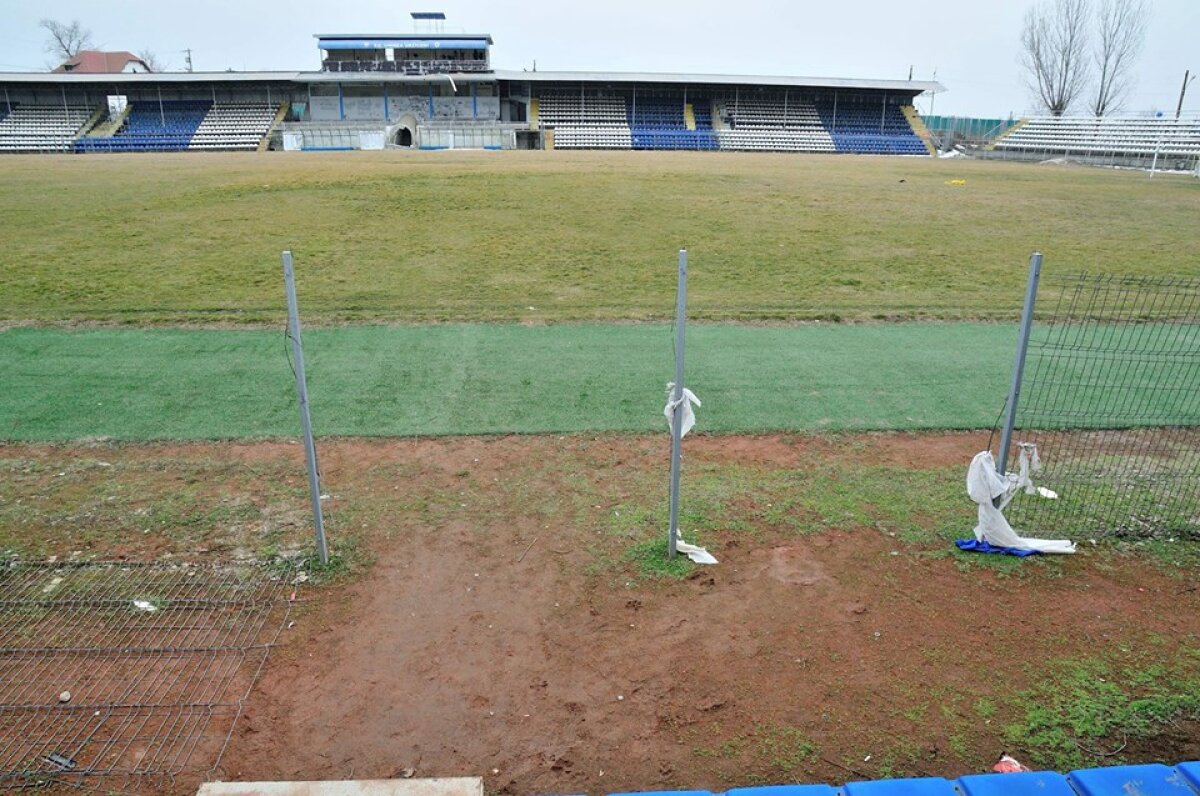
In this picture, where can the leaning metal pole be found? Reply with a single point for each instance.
(1014, 391)
(310, 448)
(677, 400)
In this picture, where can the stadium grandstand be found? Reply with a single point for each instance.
(1133, 141)
(438, 90)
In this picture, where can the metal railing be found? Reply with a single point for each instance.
(409, 67)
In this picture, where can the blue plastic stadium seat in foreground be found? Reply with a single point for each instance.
(1026, 783)
(1191, 772)
(921, 786)
(784, 790)
(1153, 779)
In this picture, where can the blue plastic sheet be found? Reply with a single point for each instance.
(974, 546)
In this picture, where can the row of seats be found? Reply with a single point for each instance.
(758, 123)
(154, 126)
(602, 137)
(776, 140)
(234, 126)
(675, 139)
(177, 125)
(758, 112)
(1109, 136)
(870, 129)
(1154, 779)
(42, 128)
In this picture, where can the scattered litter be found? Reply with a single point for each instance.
(64, 697)
(495, 771)
(145, 605)
(956, 182)
(1007, 764)
(698, 555)
(51, 586)
(407, 773)
(301, 577)
(867, 759)
(620, 697)
(984, 485)
(291, 624)
(527, 549)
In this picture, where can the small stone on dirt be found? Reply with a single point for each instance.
(65, 696)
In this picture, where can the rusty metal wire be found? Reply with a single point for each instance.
(118, 675)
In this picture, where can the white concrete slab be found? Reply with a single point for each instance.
(449, 786)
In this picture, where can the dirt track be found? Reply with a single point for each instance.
(492, 647)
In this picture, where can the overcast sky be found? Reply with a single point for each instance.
(971, 43)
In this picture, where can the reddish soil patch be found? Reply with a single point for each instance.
(487, 643)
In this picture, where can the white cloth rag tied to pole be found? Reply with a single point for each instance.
(984, 485)
(697, 554)
(687, 399)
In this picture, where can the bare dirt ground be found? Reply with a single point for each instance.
(501, 629)
(486, 646)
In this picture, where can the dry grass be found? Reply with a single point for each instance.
(437, 236)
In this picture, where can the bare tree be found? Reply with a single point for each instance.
(152, 61)
(66, 40)
(1054, 43)
(1120, 31)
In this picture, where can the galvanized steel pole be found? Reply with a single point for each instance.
(310, 449)
(677, 399)
(1014, 391)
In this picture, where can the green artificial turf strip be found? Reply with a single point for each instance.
(141, 384)
(552, 236)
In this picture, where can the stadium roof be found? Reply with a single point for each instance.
(916, 86)
(401, 36)
(902, 86)
(150, 77)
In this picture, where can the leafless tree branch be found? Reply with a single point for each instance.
(66, 40)
(1120, 31)
(1054, 43)
(152, 61)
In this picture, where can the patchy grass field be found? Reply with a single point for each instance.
(563, 236)
(513, 623)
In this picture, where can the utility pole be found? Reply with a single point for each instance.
(188, 52)
(1183, 91)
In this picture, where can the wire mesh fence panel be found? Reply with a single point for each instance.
(128, 676)
(1111, 398)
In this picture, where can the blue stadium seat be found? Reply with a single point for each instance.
(921, 786)
(152, 127)
(1191, 772)
(1153, 779)
(1030, 783)
(784, 790)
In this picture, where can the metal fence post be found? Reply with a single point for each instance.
(310, 449)
(1014, 391)
(677, 400)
